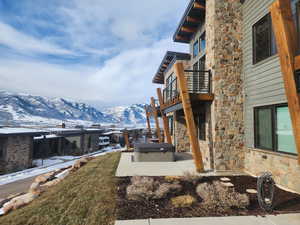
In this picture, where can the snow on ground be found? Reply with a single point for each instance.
(46, 162)
(61, 162)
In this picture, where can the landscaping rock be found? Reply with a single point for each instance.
(63, 174)
(80, 162)
(172, 178)
(251, 191)
(183, 201)
(141, 188)
(19, 202)
(227, 184)
(50, 183)
(225, 179)
(35, 188)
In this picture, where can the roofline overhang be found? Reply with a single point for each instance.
(169, 59)
(188, 24)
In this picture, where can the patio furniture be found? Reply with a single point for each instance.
(154, 152)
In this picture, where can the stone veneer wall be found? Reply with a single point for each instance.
(224, 58)
(285, 168)
(182, 142)
(18, 153)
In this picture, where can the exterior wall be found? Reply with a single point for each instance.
(94, 141)
(182, 142)
(224, 58)
(18, 153)
(72, 145)
(264, 86)
(285, 168)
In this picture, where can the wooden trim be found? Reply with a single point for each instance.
(189, 116)
(188, 30)
(180, 38)
(165, 119)
(148, 122)
(126, 137)
(192, 19)
(285, 30)
(197, 5)
(155, 114)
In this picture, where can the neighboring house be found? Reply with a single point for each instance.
(66, 141)
(16, 148)
(236, 90)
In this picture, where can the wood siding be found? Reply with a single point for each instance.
(263, 83)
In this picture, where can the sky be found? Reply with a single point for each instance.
(96, 51)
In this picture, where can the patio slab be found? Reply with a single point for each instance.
(185, 164)
(287, 219)
(132, 222)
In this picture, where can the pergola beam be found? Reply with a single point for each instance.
(285, 33)
(189, 116)
(197, 5)
(165, 119)
(155, 114)
(192, 19)
(188, 30)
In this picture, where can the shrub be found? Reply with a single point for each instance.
(217, 196)
(183, 201)
(166, 188)
(190, 177)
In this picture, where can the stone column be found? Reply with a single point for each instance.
(224, 58)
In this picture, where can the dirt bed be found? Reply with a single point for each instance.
(285, 202)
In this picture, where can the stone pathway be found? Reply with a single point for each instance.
(286, 219)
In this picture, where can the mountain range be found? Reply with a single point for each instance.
(23, 109)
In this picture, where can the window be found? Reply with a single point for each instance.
(90, 142)
(297, 79)
(196, 48)
(273, 129)
(171, 125)
(74, 145)
(296, 15)
(264, 43)
(202, 43)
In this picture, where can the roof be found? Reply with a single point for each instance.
(7, 131)
(193, 16)
(73, 130)
(50, 136)
(167, 62)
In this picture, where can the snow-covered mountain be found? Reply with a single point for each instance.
(29, 109)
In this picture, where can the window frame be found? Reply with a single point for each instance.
(196, 51)
(171, 122)
(274, 128)
(201, 38)
(270, 36)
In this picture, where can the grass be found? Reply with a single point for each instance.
(86, 197)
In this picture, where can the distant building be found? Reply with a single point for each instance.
(16, 148)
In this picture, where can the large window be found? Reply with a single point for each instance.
(264, 43)
(171, 124)
(297, 79)
(195, 48)
(2, 142)
(273, 129)
(202, 43)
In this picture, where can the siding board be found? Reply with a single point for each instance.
(263, 81)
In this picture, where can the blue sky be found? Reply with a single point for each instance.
(98, 51)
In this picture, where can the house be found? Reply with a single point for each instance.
(16, 148)
(67, 141)
(228, 101)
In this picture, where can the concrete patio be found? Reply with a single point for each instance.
(286, 219)
(184, 163)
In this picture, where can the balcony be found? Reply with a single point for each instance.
(198, 85)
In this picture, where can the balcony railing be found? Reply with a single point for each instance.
(198, 82)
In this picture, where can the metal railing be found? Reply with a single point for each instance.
(198, 82)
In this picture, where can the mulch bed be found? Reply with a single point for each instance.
(285, 202)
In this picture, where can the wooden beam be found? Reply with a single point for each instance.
(192, 19)
(156, 120)
(165, 119)
(189, 116)
(126, 138)
(148, 122)
(197, 5)
(282, 20)
(188, 30)
(180, 38)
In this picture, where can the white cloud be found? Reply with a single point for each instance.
(124, 79)
(23, 43)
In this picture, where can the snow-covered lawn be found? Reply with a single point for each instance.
(51, 164)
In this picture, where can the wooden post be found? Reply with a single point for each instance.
(285, 33)
(189, 116)
(148, 121)
(125, 134)
(165, 119)
(156, 120)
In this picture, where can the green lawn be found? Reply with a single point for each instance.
(85, 197)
